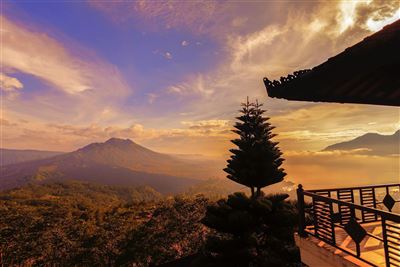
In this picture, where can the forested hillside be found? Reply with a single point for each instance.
(69, 224)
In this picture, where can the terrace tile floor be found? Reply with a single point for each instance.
(371, 248)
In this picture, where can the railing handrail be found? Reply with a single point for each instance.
(384, 214)
(354, 188)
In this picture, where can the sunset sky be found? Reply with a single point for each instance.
(170, 75)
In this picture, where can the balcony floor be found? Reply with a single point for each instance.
(371, 248)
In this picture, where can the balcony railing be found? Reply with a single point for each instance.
(363, 213)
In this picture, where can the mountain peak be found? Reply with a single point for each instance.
(374, 143)
(119, 141)
(113, 142)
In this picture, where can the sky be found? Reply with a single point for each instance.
(170, 75)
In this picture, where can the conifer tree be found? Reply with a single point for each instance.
(257, 230)
(256, 162)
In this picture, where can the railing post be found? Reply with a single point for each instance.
(385, 243)
(301, 211)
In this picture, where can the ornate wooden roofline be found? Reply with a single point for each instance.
(366, 73)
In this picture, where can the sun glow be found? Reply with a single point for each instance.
(347, 14)
(376, 25)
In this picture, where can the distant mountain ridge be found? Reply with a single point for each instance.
(114, 162)
(12, 156)
(373, 143)
(128, 154)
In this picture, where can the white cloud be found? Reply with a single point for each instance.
(168, 55)
(376, 25)
(75, 85)
(9, 84)
(151, 97)
(185, 43)
(164, 54)
(38, 54)
(195, 84)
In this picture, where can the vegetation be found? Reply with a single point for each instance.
(251, 232)
(257, 160)
(256, 230)
(81, 224)
(174, 231)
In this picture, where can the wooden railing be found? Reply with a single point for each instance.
(323, 213)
